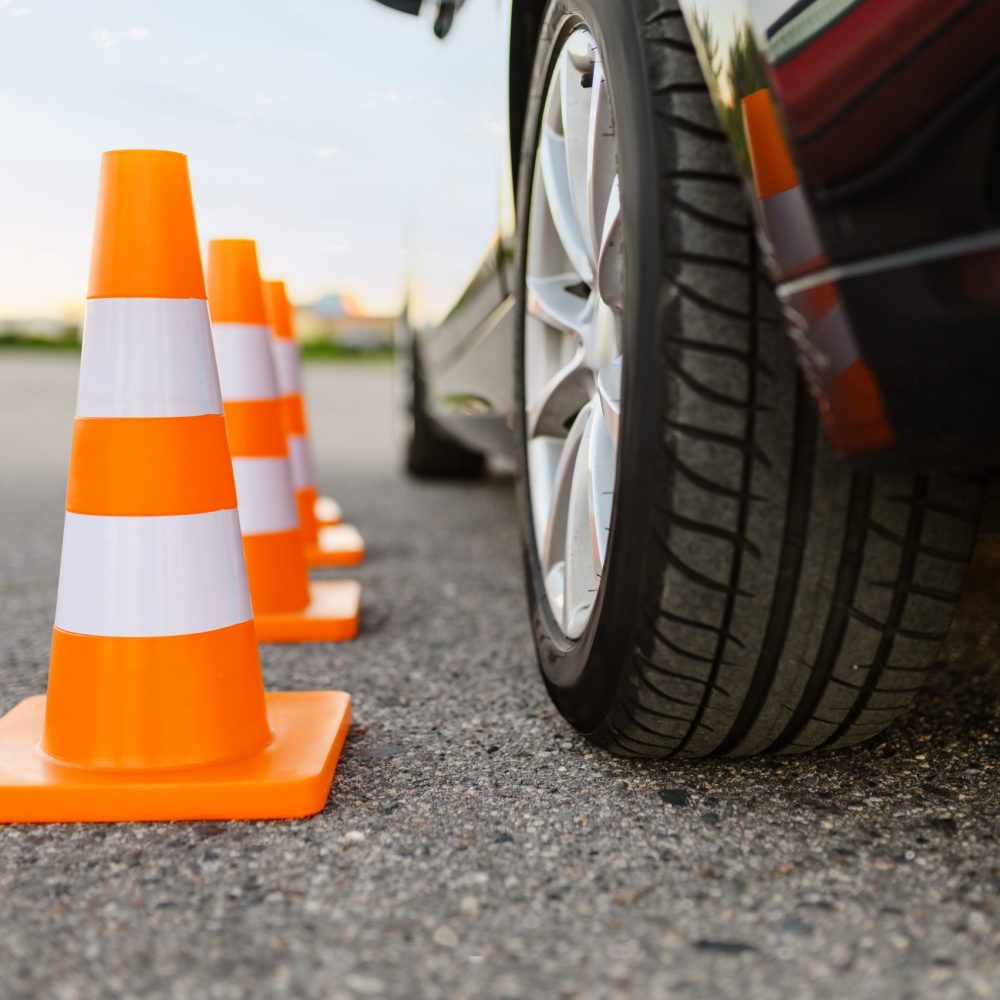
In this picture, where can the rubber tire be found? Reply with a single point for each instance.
(758, 595)
(430, 453)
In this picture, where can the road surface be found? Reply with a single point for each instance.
(473, 845)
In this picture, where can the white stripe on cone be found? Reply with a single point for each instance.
(287, 360)
(152, 576)
(789, 225)
(831, 336)
(147, 358)
(286, 365)
(300, 460)
(264, 494)
(245, 368)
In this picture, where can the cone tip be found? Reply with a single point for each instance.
(145, 235)
(235, 292)
(279, 309)
(147, 154)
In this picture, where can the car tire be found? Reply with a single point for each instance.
(430, 453)
(758, 595)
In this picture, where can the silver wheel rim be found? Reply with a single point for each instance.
(572, 333)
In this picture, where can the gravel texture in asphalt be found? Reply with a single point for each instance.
(473, 844)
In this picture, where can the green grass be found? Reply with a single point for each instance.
(336, 352)
(310, 352)
(24, 341)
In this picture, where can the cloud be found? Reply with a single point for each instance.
(241, 113)
(390, 96)
(107, 37)
(328, 152)
(8, 8)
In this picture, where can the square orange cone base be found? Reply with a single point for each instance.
(326, 510)
(332, 615)
(291, 778)
(341, 545)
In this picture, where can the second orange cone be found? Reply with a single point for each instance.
(287, 606)
(326, 545)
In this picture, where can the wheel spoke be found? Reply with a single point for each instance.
(555, 589)
(602, 167)
(554, 540)
(551, 301)
(582, 574)
(609, 261)
(555, 178)
(609, 389)
(543, 455)
(602, 340)
(576, 100)
(602, 486)
(561, 399)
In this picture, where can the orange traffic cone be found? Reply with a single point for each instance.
(156, 707)
(844, 387)
(287, 606)
(333, 544)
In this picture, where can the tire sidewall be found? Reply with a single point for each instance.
(582, 675)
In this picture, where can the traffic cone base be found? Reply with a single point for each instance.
(332, 615)
(327, 511)
(289, 778)
(340, 545)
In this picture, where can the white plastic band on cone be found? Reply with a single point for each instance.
(147, 358)
(152, 576)
(286, 365)
(243, 353)
(264, 495)
(299, 459)
(833, 338)
(789, 224)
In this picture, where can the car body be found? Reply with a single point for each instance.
(892, 119)
(741, 345)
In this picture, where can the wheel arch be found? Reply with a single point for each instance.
(525, 26)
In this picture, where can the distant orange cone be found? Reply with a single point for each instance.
(330, 543)
(287, 606)
(326, 510)
(156, 707)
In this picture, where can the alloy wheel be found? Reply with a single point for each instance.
(573, 332)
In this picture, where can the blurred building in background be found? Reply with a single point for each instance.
(338, 319)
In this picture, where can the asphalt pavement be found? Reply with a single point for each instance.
(473, 844)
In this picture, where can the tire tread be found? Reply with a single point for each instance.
(735, 551)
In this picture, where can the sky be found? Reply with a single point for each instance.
(360, 151)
